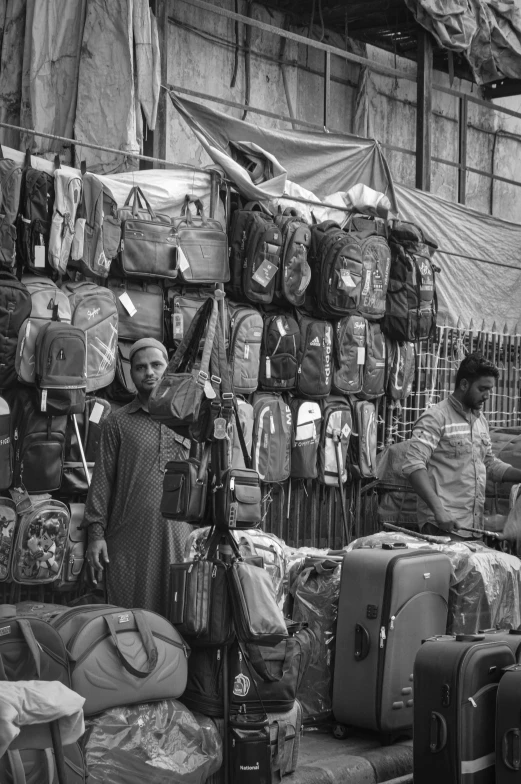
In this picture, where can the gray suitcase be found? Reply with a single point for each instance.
(391, 599)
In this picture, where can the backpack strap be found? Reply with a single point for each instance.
(17, 767)
(186, 353)
(240, 434)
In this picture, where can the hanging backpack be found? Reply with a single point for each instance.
(39, 444)
(183, 305)
(315, 360)
(94, 310)
(10, 183)
(245, 414)
(255, 254)
(74, 481)
(101, 230)
(34, 217)
(334, 440)
(336, 269)
(349, 354)
(294, 272)
(15, 308)
(402, 367)
(307, 425)
(8, 520)
(272, 432)
(39, 546)
(60, 368)
(67, 188)
(47, 302)
(376, 261)
(122, 389)
(75, 547)
(375, 368)
(6, 445)
(244, 348)
(411, 305)
(363, 441)
(279, 351)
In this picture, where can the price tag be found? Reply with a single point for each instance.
(268, 367)
(264, 273)
(246, 350)
(209, 391)
(39, 255)
(43, 406)
(178, 326)
(183, 262)
(360, 355)
(280, 327)
(346, 431)
(347, 280)
(127, 304)
(95, 414)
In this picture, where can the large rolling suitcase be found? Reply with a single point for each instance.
(508, 727)
(391, 599)
(455, 687)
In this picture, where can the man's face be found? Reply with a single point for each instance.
(148, 366)
(478, 392)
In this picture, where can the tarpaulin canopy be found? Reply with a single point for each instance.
(487, 32)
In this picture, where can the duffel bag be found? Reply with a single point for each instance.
(122, 657)
(27, 766)
(264, 677)
(202, 247)
(30, 649)
(257, 616)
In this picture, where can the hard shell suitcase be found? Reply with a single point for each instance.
(455, 688)
(508, 726)
(391, 599)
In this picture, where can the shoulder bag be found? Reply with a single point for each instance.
(185, 489)
(257, 616)
(202, 247)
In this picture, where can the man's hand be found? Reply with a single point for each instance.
(96, 554)
(445, 521)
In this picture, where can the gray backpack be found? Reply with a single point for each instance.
(272, 437)
(350, 340)
(245, 337)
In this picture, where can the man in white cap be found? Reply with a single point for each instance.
(129, 540)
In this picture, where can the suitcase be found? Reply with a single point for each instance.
(455, 687)
(508, 726)
(390, 600)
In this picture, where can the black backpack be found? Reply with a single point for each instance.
(34, 217)
(294, 272)
(350, 338)
(10, 182)
(279, 350)
(315, 357)
(412, 305)
(255, 254)
(402, 368)
(39, 443)
(15, 308)
(376, 261)
(362, 448)
(60, 372)
(376, 366)
(336, 269)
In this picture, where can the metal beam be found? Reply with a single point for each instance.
(503, 88)
(462, 149)
(327, 89)
(424, 111)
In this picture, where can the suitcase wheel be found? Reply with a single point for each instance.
(341, 732)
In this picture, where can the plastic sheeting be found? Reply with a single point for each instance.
(487, 32)
(485, 584)
(159, 743)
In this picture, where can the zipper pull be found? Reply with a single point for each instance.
(214, 571)
(218, 654)
(383, 636)
(232, 484)
(391, 624)
(272, 424)
(240, 656)
(15, 437)
(190, 568)
(185, 649)
(473, 702)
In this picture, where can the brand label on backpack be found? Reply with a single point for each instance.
(124, 618)
(241, 685)
(39, 255)
(5, 630)
(250, 767)
(315, 342)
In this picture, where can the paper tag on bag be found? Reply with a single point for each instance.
(280, 327)
(183, 263)
(178, 326)
(264, 273)
(39, 255)
(347, 280)
(43, 406)
(95, 414)
(360, 355)
(127, 304)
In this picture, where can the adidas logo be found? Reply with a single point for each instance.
(315, 342)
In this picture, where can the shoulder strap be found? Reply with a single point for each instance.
(187, 351)
(240, 434)
(17, 767)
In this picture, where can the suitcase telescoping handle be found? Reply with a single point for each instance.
(146, 638)
(438, 732)
(511, 748)
(30, 641)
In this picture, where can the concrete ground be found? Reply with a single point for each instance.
(360, 759)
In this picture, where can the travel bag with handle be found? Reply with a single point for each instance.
(140, 307)
(279, 351)
(15, 308)
(10, 183)
(183, 306)
(148, 241)
(272, 436)
(30, 649)
(39, 548)
(8, 520)
(376, 261)
(391, 599)
(508, 726)
(246, 327)
(315, 358)
(122, 657)
(201, 247)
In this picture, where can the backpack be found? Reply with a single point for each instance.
(279, 351)
(8, 520)
(74, 481)
(244, 348)
(47, 303)
(255, 254)
(375, 368)
(271, 443)
(363, 441)
(46, 661)
(67, 199)
(102, 227)
(376, 261)
(307, 424)
(32, 762)
(6, 445)
(335, 436)
(350, 339)
(15, 308)
(411, 305)
(336, 269)
(183, 305)
(294, 274)
(94, 310)
(402, 367)
(10, 183)
(34, 217)
(39, 444)
(75, 547)
(271, 550)
(60, 368)
(315, 363)
(39, 547)
(245, 412)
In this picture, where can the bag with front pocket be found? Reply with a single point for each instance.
(257, 616)
(294, 274)
(183, 305)
(315, 358)
(68, 189)
(6, 445)
(336, 269)
(245, 422)
(8, 521)
(201, 247)
(30, 649)
(350, 338)
(307, 424)
(122, 389)
(34, 217)
(279, 351)
(185, 489)
(32, 762)
(376, 261)
(98, 231)
(60, 362)
(402, 367)
(246, 326)
(140, 309)
(375, 367)
(272, 435)
(40, 544)
(15, 309)
(363, 440)
(335, 435)
(10, 183)
(75, 548)
(74, 480)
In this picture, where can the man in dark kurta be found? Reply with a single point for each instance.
(128, 538)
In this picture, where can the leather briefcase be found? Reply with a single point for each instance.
(145, 302)
(202, 247)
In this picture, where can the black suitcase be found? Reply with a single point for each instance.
(455, 686)
(391, 599)
(508, 727)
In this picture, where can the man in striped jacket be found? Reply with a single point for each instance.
(450, 456)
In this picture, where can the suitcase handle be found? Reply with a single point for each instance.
(515, 762)
(438, 736)
(362, 642)
(146, 638)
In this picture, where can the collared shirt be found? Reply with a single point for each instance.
(453, 445)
